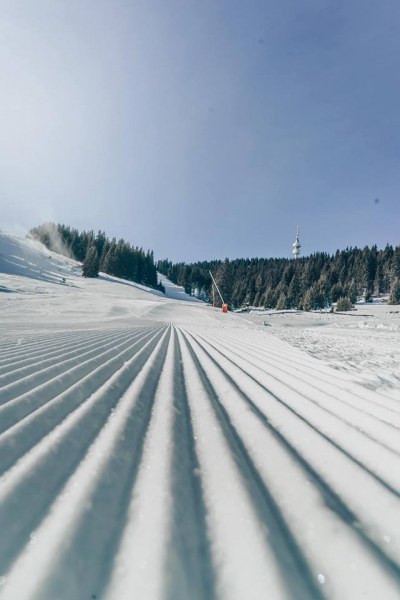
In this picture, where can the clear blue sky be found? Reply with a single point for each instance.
(203, 128)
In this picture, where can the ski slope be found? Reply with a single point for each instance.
(154, 448)
(364, 342)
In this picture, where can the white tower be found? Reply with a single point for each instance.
(296, 245)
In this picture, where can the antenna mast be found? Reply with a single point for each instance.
(297, 245)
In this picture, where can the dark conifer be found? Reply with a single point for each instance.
(395, 292)
(90, 267)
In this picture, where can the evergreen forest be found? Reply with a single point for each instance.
(98, 253)
(308, 283)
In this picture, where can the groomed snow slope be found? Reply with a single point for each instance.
(157, 449)
(365, 342)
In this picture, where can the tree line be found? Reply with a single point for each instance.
(99, 253)
(308, 283)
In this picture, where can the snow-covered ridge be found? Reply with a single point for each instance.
(27, 267)
(159, 449)
(29, 259)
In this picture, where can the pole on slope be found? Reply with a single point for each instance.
(224, 305)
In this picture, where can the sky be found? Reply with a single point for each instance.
(203, 128)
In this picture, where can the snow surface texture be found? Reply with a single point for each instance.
(364, 342)
(157, 449)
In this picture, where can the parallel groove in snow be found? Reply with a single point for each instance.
(378, 431)
(342, 470)
(189, 564)
(289, 557)
(304, 364)
(19, 407)
(171, 462)
(229, 521)
(24, 351)
(328, 375)
(355, 448)
(32, 365)
(142, 551)
(344, 521)
(59, 453)
(56, 368)
(42, 419)
(97, 532)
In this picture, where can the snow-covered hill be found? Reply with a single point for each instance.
(26, 263)
(156, 448)
(49, 288)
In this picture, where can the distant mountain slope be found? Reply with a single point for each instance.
(27, 266)
(29, 258)
(97, 252)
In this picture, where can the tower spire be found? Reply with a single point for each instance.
(297, 245)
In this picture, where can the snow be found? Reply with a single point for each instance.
(364, 343)
(153, 447)
(175, 291)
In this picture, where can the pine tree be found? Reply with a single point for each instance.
(307, 303)
(223, 278)
(90, 267)
(281, 304)
(395, 270)
(292, 299)
(395, 292)
(344, 304)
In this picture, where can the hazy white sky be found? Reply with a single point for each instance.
(203, 128)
